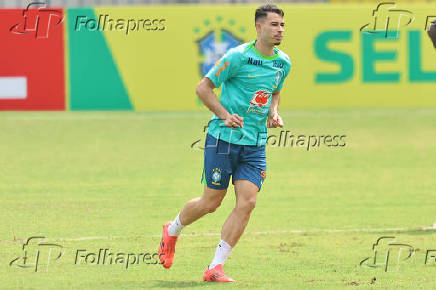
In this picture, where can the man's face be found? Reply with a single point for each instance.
(271, 28)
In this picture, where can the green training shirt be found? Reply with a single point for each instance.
(248, 79)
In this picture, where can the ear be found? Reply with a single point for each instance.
(258, 26)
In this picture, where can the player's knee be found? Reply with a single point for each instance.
(251, 204)
(248, 205)
(213, 205)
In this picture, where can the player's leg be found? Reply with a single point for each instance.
(193, 210)
(248, 179)
(216, 177)
(234, 226)
(198, 207)
(246, 194)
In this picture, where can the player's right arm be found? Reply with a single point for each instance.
(224, 69)
(209, 98)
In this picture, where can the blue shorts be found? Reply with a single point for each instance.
(223, 159)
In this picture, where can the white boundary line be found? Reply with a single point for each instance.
(255, 233)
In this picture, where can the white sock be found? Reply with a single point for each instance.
(223, 251)
(176, 227)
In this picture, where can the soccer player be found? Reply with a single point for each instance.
(251, 76)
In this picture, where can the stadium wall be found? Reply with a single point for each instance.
(151, 58)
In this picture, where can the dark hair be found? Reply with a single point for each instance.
(263, 10)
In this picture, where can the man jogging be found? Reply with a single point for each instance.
(252, 76)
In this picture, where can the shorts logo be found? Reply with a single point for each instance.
(263, 174)
(260, 98)
(216, 176)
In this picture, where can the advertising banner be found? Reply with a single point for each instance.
(369, 55)
(32, 59)
(152, 57)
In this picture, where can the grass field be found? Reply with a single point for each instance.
(90, 181)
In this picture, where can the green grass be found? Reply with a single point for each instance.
(91, 180)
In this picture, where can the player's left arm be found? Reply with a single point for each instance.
(274, 119)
